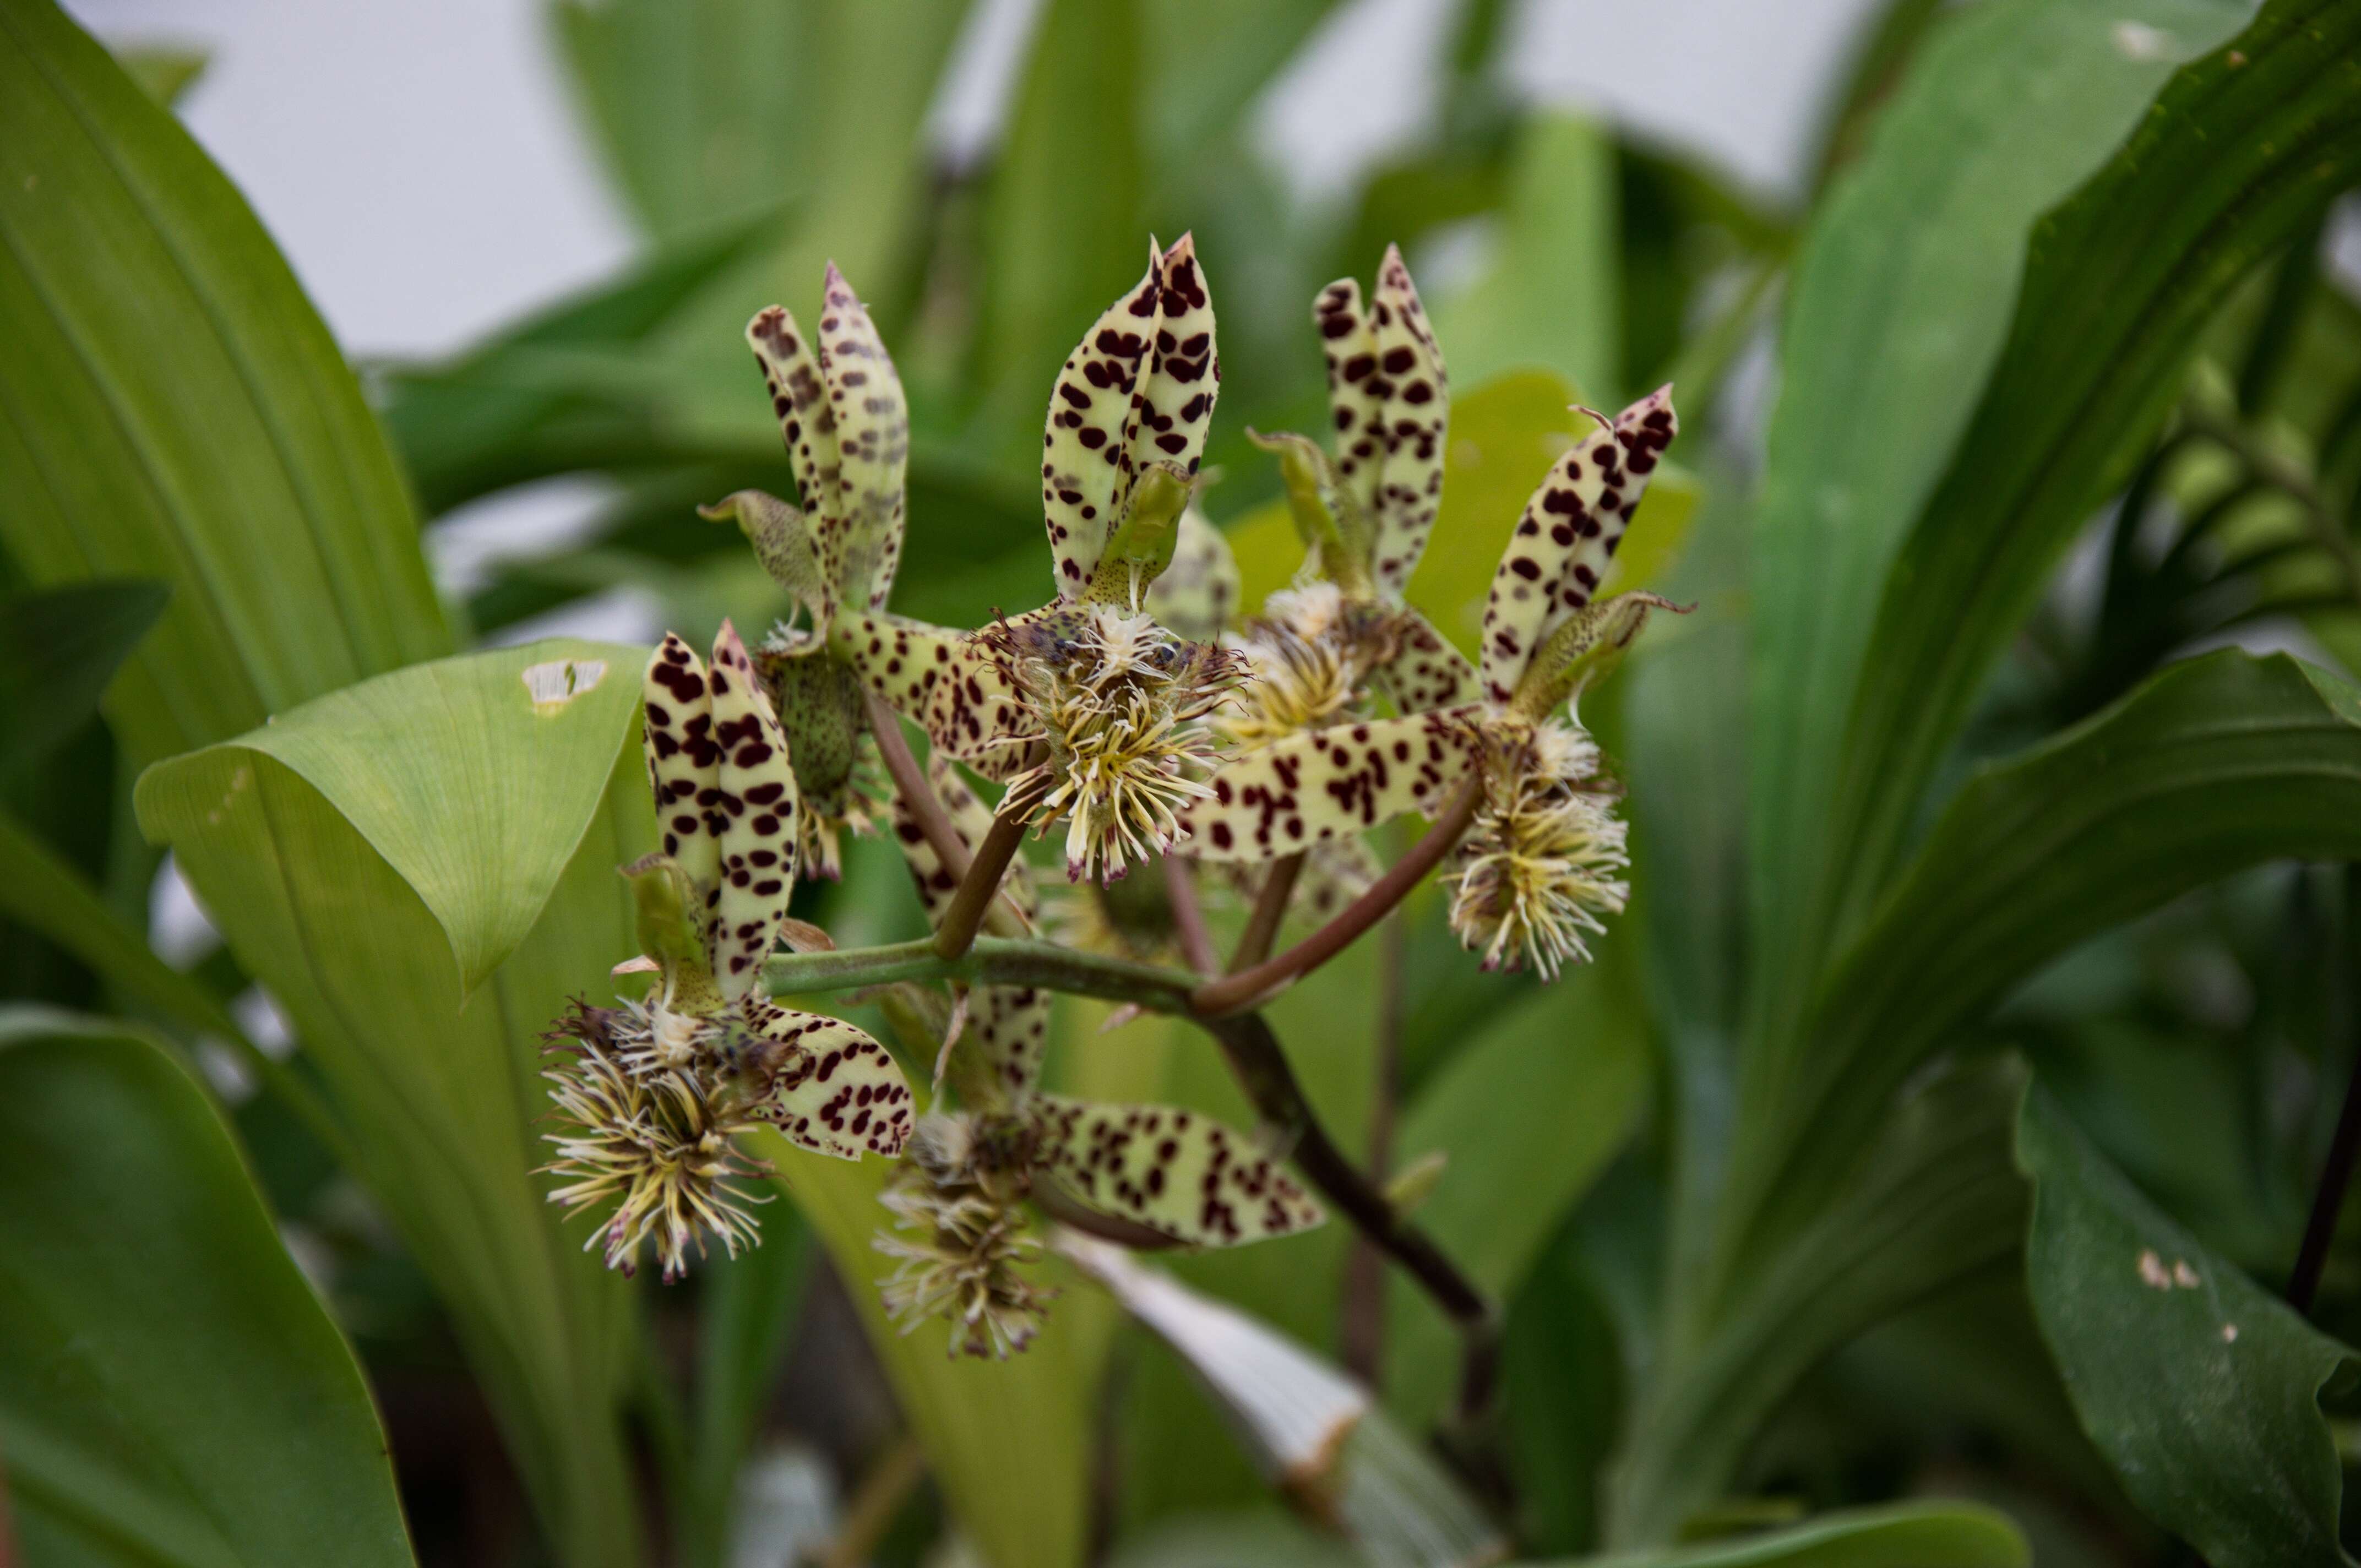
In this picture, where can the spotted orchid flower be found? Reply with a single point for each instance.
(846, 425)
(959, 1235)
(1537, 868)
(651, 1095)
(1089, 708)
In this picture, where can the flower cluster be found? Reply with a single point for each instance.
(651, 1096)
(1129, 710)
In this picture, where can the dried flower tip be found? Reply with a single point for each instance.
(961, 1256)
(1538, 868)
(654, 1143)
(1121, 704)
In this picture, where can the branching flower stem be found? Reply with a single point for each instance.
(973, 900)
(1255, 1056)
(1270, 910)
(1253, 987)
(1188, 916)
(925, 808)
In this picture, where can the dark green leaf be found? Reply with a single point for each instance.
(565, 381)
(2216, 765)
(171, 1394)
(367, 856)
(1198, 91)
(1932, 1197)
(57, 650)
(176, 410)
(2201, 1388)
(1900, 304)
(2242, 152)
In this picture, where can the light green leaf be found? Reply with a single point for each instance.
(2242, 152)
(1900, 304)
(1199, 91)
(474, 777)
(440, 1089)
(171, 1391)
(1504, 435)
(57, 650)
(165, 72)
(178, 411)
(703, 108)
(1009, 1442)
(2201, 1389)
(2216, 765)
(1062, 221)
(1553, 298)
(1904, 1535)
(1528, 1113)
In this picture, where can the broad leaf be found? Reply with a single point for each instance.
(1197, 94)
(2218, 764)
(1900, 304)
(57, 650)
(178, 411)
(1903, 1535)
(475, 777)
(171, 1391)
(440, 1086)
(2241, 154)
(1009, 1442)
(2201, 1389)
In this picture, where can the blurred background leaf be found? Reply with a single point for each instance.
(171, 1391)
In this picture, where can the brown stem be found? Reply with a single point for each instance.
(973, 899)
(925, 808)
(1253, 987)
(1361, 1329)
(1269, 912)
(1188, 916)
(1262, 1071)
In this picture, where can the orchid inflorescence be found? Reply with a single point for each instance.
(1134, 709)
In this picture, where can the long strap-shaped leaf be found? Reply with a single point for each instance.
(2217, 764)
(2239, 156)
(1899, 307)
(170, 406)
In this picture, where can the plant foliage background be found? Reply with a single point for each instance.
(1915, 1178)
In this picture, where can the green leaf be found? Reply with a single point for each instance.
(1062, 221)
(2242, 152)
(1900, 303)
(163, 72)
(747, 1315)
(176, 410)
(1903, 1535)
(520, 741)
(57, 650)
(1197, 94)
(1530, 1111)
(438, 1085)
(1932, 1197)
(1009, 1442)
(2201, 1389)
(1552, 299)
(560, 388)
(702, 109)
(2216, 765)
(171, 1391)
